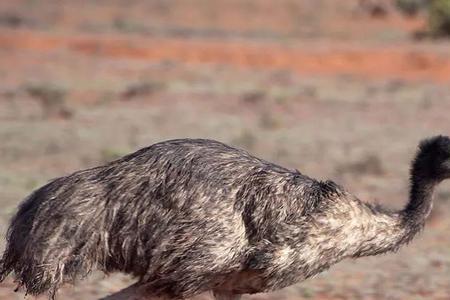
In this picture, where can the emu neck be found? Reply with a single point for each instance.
(385, 232)
(421, 200)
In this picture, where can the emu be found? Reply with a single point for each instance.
(188, 216)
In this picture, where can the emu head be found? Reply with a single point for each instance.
(433, 159)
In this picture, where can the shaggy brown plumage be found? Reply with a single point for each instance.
(188, 216)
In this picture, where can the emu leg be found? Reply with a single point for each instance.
(133, 292)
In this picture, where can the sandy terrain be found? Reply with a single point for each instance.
(320, 87)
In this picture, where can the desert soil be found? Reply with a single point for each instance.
(312, 85)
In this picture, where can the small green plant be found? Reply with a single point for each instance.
(439, 18)
(411, 7)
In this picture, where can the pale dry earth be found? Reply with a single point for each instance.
(335, 97)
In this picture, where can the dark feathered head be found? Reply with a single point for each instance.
(433, 159)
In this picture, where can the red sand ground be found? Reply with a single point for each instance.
(409, 62)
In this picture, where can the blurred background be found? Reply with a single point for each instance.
(337, 89)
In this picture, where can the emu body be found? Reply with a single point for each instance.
(189, 216)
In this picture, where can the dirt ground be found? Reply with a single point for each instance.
(321, 86)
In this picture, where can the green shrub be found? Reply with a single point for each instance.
(411, 7)
(439, 18)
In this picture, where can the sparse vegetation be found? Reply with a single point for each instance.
(253, 97)
(368, 165)
(128, 25)
(52, 99)
(12, 20)
(375, 8)
(269, 120)
(110, 154)
(306, 292)
(246, 139)
(411, 7)
(439, 18)
(142, 89)
(31, 184)
(394, 94)
(438, 14)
